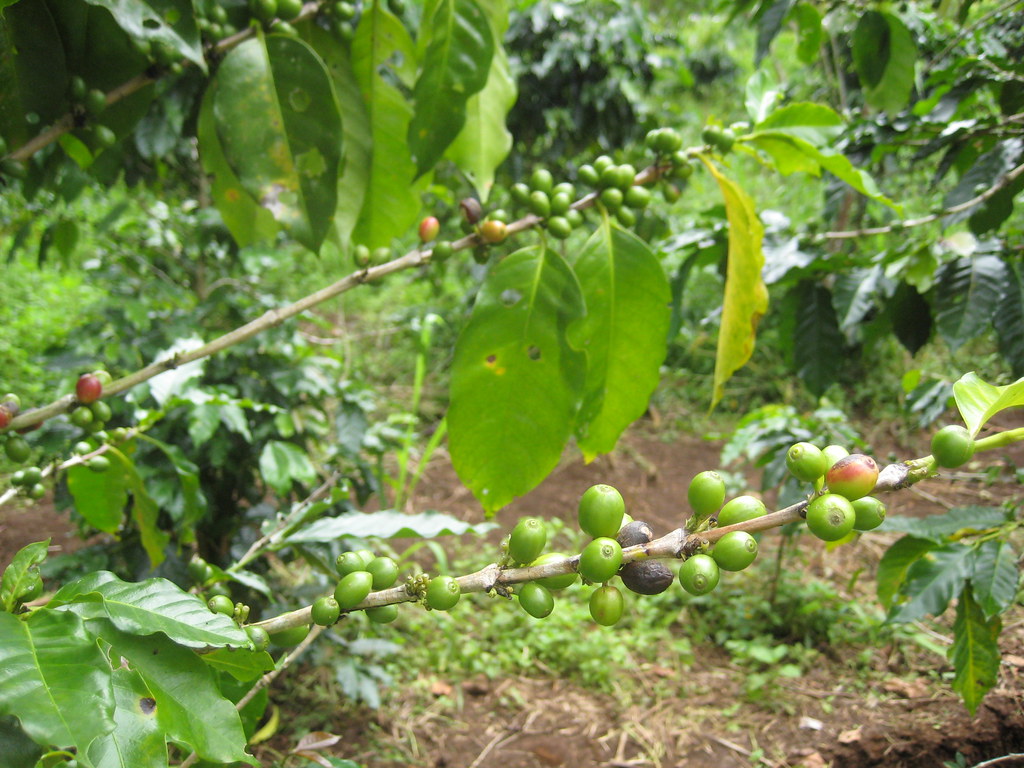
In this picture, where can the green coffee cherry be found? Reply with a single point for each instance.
(952, 446)
(735, 551)
(527, 540)
(706, 493)
(741, 509)
(600, 560)
(536, 600)
(699, 574)
(606, 605)
(806, 462)
(830, 517)
(443, 592)
(600, 511)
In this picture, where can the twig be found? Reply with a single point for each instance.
(487, 750)
(907, 223)
(997, 760)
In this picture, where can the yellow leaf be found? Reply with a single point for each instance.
(746, 297)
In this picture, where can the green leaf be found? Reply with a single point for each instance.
(146, 607)
(1009, 319)
(455, 66)
(246, 220)
(746, 297)
(892, 568)
(810, 34)
(763, 94)
(911, 317)
(169, 22)
(54, 679)
(17, 748)
(624, 333)
(932, 581)
(100, 497)
(817, 124)
(516, 380)
(484, 141)
(768, 25)
(189, 707)
(975, 651)
(144, 510)
(287, 152)
(386, 524)
(137, 740)
(282, 464)
(22, 575)
(986, 171)
(959, 520)
(819, 349)
(355, 123)
(995, 577)
(967, 292)
(884, 54)
(392, 201)
(856, 293)
(241, 664)
(188, 476)
(978, 401)
(792, 153)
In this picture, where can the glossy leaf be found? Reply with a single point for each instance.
(884, 54)
(193, 500)
(817, 124)
(100, 497)
(978, 401)
(455, 67)
(144, 510)
(22, 574)
(746, 297)
(356, 129)
(995, 576)
(392, 201)
(54, 678)
(484, 142)
(967, 292)
(819, 349)
(892, 568)
(932, 581)
(169, 22)
(763, 94)
(246, 220)
(985, 172)
(146, 607)
(516, 379)
(189, 707)
(137, 740)
(17, 748)
(385, 524)
(975, 651)
(624, 333)
(282, 464)
(287, 153)
(1009, 319)
(856, 293)
(936, 527)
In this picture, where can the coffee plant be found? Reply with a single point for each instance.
(322, 125)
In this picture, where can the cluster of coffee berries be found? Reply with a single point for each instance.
(341, 18)
(361, 572)
(16, 448)
(617, 190)
(550, 202)
(29, 482)
(843, 482)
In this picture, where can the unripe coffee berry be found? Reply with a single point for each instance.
(493, 231)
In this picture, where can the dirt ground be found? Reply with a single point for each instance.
(828, 719)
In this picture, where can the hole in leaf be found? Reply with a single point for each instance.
(147, 705)
(151, 23)
(510, 297)
(533, 352)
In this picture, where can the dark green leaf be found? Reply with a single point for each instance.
(189, 706)
(516, 379)
(385, 524)
(455, 67)
(282, 464)
(995, 577)
(932, 581)
(858, 292)
(892, 568)
(146, 607)
(884, 55)
(816, 124)
(144, 510)
(967, 292)
(819, 349)
(17, 748)
(137, 740)
(1009, 319)
(624, 333)
(768, 25)
(986, 171)
(871, 48)
(22, 575)
(54, 679)
(911, 317)
(287, 154)
(975, 651)
(188, 476)
(935, 527)
(169, 22)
